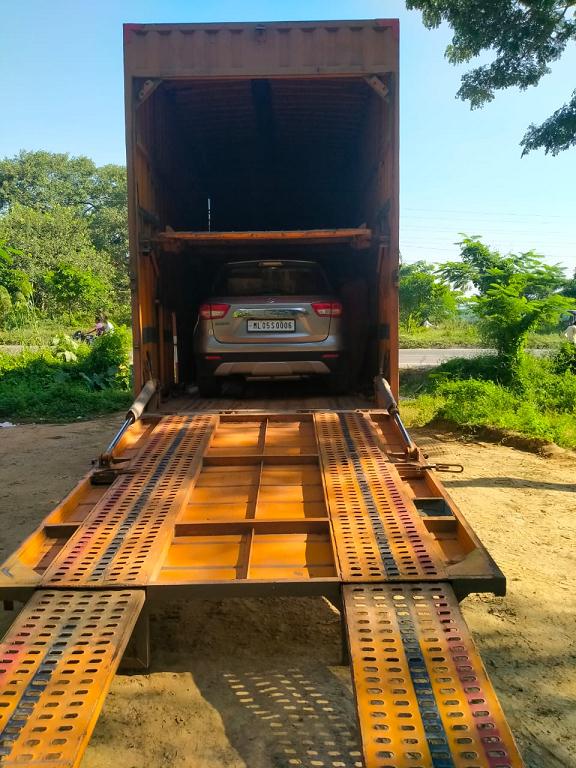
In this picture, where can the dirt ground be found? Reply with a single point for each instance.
(259, 684)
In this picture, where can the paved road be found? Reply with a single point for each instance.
(409, 358)
(428, 358)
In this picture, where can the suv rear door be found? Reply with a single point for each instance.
(274, 302)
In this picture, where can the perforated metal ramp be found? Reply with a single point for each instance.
(377, 535)
(124, 539)
(294, 503)
(56, 665)
(424, 699)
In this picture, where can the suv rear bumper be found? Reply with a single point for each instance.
(268, 364)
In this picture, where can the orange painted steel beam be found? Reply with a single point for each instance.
(56, 665)
(298, 235)
(423, 697)
(126, 536)
(378, 534)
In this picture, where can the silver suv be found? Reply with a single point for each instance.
(269, 318)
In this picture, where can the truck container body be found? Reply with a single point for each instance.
(250, 140)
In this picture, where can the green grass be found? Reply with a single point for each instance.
(464, 335)
(34, 335)
(66, 382)
(441, 337)
(540, 403)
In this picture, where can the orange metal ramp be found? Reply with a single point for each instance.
(56, 665)
(230, 504)
(424, 699)
(241, 500)
(127, 533)
(378, 535)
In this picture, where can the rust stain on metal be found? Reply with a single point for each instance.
(423, 696)
(378, 535)
(56, 664)
(126, 534)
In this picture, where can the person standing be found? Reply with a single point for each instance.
(570, 332)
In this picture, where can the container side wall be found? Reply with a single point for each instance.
(389, 243)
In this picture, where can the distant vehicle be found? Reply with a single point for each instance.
(269, 318)
(88, 338)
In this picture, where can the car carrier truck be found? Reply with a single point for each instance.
(245, 142)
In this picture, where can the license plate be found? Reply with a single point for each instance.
(271, 326)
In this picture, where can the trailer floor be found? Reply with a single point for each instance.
(211, 655)
(268, 396)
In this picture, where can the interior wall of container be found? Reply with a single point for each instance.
(253, 154)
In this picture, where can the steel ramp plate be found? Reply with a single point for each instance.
(56, 664)
(424, 699)
(124, 539)
(378, 534)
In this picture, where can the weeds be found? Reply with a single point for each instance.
(540, 402)
(463, 334)
(66, 380)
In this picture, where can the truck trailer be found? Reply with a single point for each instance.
(253, 141)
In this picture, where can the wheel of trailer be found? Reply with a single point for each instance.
(209, 386)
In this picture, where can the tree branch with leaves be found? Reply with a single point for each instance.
(525, 38)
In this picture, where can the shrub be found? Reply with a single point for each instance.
(107, 361)
(58, 401)
(565, 359)
(483, 367)
(65, 348)
(539, 383)
(108, 350)
(5, 304)
(541, 402)
(473, 402)
(67, 380)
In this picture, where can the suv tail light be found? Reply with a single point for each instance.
(328, 308)
(213, 311)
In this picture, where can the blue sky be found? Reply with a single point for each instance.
(461, 171)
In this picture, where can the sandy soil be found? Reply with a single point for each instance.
(259, 684)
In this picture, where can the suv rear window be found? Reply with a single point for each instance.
(271, 279)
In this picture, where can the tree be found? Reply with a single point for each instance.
(17, 288)
(74, 290)
(480, 267)
(516, 294)
(43, 180)
(524, 37)
(109, 235)
(41, 241)
(570, 287)
(47, 182)
(423, 296)
(47, 179)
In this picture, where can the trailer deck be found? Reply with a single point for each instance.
(232, 503)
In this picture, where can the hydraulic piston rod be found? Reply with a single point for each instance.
(385, 399)
(133, 414)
